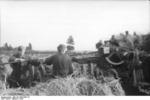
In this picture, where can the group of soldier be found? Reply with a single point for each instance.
(22, 67)
(61, 61)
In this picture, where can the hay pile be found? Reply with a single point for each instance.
(70, 87)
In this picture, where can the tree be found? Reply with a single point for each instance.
(30, 46)
(70, 40)
(70, 43)
(6, 46)
(10, 47)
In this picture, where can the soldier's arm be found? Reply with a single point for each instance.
(48, 61)
(85, 60)
(78, 60)
(74, 59)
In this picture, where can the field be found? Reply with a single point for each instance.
(70, 86)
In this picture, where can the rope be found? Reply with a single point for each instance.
(114, 63)
(12, 62)
(20, 61)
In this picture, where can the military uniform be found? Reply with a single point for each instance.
(62, 64)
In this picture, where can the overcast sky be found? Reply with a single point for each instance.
(48, 23)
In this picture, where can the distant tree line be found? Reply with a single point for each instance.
(7, 46)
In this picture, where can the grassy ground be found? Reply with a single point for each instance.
(74, 86)
(70, 87)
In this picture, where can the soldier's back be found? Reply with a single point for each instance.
(62, 64)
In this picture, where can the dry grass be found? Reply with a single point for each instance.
(70, 87)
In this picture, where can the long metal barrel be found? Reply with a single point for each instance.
(20, 61)
(12, 62)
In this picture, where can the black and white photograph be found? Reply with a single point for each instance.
(74, 48)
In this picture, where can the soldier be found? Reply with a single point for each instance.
(14, 80)
(62, 64)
